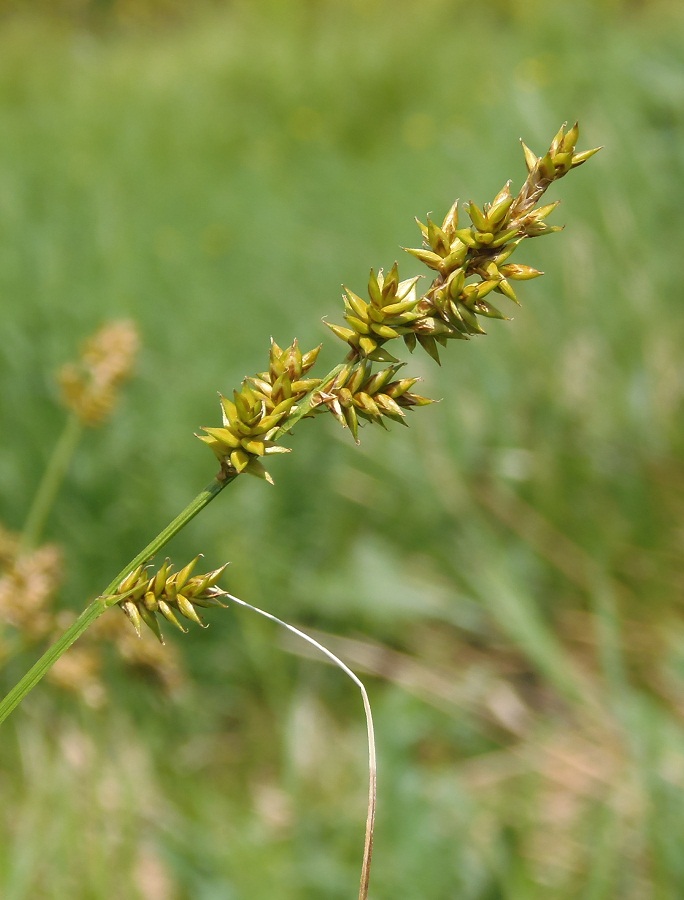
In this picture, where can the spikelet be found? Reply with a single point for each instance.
(388, 314)
(258, 409)
(168, 594)
(357, 393)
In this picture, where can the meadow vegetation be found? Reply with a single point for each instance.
(506, 574)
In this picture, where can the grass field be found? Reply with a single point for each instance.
(506, 574)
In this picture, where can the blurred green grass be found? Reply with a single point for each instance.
(507, 572)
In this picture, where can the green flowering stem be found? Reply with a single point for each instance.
(269, 404)
(50, 483)
(107, 598)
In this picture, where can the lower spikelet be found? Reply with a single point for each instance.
(168, 593)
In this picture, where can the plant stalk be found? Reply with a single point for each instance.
(107, 598)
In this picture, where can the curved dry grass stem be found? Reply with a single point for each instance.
(372, 765)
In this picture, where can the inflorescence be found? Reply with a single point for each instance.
(471, 263)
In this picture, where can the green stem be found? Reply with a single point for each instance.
(103, 602)
(49, 658)
(51, 482)
(204, 498)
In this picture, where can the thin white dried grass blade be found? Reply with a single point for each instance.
(372, 764)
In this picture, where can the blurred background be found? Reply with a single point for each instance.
(506, 575)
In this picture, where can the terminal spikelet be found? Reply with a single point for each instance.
(471, 262)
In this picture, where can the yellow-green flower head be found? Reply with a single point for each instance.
(357, 393)
(284, 378)
(166, 593)
(258, 409)
(388, 314)
(245, 434)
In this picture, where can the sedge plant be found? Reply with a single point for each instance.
(471, 261)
